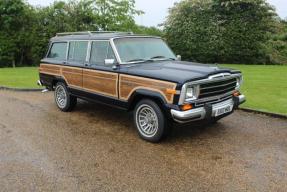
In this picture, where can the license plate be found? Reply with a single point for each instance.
(223, 110)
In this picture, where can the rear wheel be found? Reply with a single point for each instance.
(150, 121)
(63, 99)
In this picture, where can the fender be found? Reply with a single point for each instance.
(144, 93)
(50, 80)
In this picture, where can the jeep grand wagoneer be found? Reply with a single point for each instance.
(140, 74)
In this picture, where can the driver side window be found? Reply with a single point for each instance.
(100, 51)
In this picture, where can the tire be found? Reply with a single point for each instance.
(150, 121)
(63, 99)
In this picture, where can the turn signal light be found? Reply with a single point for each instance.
(171, 91)
(186, 107)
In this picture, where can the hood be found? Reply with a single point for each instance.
(175, 71)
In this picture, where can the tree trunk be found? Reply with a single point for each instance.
(13, 63)
(21, 58)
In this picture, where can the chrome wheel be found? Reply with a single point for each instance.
(147, 120)
(61, 96)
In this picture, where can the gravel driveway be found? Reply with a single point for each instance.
(96, 148)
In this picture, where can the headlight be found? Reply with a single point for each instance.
(239, 82)
(192, 92)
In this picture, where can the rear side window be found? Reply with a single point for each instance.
(78, 51)
(101, 50)
(58, 51)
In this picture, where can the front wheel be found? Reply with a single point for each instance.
(63, 99)
(150, 121)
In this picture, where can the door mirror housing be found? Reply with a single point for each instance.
(109, 61)
(178, 57)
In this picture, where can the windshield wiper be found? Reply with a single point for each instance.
(151, 59)
(162, 57)
(140, 60)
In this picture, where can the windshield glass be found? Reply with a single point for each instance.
(142, 49)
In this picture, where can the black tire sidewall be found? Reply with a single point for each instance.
(161, 121)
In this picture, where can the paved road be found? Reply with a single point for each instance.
(96, 148)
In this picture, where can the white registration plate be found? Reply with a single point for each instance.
(223, 110)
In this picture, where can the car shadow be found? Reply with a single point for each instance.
(106, 113)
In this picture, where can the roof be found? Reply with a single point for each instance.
(93, 35)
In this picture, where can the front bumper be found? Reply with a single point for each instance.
(206, 112)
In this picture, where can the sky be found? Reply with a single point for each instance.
(157, 10)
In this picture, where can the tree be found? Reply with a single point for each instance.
(277, 45)
(115, 14)
(25, 30)
(11, 15)
(225, 31)
(148, 31)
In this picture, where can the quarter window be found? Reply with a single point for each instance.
(78, 51)
(58, 51)
(100, 51)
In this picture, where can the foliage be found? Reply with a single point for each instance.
(149, 31)
(277, 44)
(25, 30)
(11, 15)
(224, 31)
(233, 31)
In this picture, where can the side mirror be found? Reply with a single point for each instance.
(109, 61)
(178, 57)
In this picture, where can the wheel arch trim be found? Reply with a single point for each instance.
(145, 93)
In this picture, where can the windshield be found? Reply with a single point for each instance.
(142, 49)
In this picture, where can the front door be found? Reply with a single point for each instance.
(100, 78)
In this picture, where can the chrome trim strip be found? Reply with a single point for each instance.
(88, 56)
(199, 104)
(185, 116)
(39, 83)
(219, 75)
(115, 51)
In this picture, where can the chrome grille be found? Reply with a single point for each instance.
(218, 87)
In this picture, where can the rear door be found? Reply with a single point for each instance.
(100, 78)
(77, 57)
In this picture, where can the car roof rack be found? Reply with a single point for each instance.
(91, 33)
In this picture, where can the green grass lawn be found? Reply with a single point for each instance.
(264, 86)
(22, 77)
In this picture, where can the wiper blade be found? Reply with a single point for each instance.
(139, 60)
(151, 59)
(162, 57)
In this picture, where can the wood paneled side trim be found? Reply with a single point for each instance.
(101, 82)
(50, 69)
(129, 84)
(72, 75)
(106, 83)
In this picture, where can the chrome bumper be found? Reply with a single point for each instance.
(241, 99)
(39, 83)
(204, 112)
